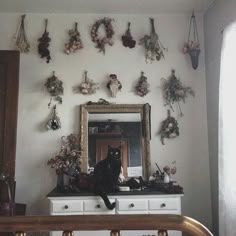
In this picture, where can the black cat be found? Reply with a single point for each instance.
(106, 175)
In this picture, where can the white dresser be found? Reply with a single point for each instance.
(125, 204)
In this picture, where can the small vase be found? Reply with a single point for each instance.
(194, 55)
(166, 179)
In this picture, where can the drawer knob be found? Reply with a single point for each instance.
(131, 205)
(98, 206)
(163, 205)
(66, 206)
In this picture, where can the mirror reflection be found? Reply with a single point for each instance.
(116, 130)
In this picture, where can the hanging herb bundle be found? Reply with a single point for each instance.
(169, 128)
(102, 41)
(54, 122)
(21, 41)
(88, 86)
(174, 91)
(55, 88)
(75, 42)
(43, 47)
(153, 46)
(142, 87)
(127, 38)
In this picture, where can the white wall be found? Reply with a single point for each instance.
(35, 145)
(221, 14)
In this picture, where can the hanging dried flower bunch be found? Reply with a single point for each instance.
(54, 122)
(55, 88)
(153, 46)
(102, 41)
(114, 85)
(174, 91)
(192, 47)
(127, 38)
(75, 42)
(44, 44)
(142, 88)
(67, 161)
(169, 128)
(88, 86)
(21, 41)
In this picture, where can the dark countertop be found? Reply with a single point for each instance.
(56, 193)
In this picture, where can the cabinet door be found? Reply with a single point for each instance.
(9, 83)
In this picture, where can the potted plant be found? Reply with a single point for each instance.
(192, 46)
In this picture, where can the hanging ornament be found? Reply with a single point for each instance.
(153, 46)
(169, 128)
(54, 122)
(114, 85)
(109, 32)
(44, 44)
(55, 88)
(21, 41)
(75, 42)
(127, 38)
(174, 91)
(142, 87)
(88, 86)
(192, 47)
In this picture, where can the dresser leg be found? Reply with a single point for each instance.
(115, 233)
(20, 234)
(67, 233)
(162, 233)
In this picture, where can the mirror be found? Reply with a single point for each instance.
(125, 125)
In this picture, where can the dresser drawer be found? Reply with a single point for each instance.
(66, 206)
(132, 205)
(164, 204)
(97, 207)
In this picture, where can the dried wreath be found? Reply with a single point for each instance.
(55, 88)
(142, 87)
(169, 128)
(174, 91)
(75, 42)
(22, 43)
(67, 161)
(102, 41)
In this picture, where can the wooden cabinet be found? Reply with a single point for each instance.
(125, 204)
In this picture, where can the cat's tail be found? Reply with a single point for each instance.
(106, 200)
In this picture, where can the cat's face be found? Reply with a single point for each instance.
(114, 152)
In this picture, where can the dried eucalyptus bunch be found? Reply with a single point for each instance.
(21, 41)
(175, 92)
(55, 88)
(75, 42)
(153, 46)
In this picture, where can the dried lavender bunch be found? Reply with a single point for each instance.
(44, 42)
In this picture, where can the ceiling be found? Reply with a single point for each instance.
(104, 6)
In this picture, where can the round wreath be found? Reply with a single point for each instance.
(169, 128)
(102, 41)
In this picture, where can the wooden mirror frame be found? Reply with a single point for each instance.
(143, 109)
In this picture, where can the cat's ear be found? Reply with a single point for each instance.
(119, 147)
(109, 146)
